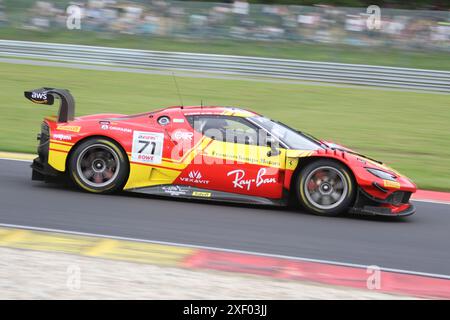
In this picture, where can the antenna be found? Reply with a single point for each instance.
(178, 89)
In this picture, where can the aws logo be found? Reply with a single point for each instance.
(39, 97)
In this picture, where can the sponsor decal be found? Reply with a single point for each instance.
(147, 147)
(182, 135)
(391, 184)
(68, 128)
(39, 97)
(246, 159)
(105, 126)
(201, 194)
(361, 160)
(178, 120)
(164, 120)
(240, 181)
(175, 190)
(194, 177)
(63, 137)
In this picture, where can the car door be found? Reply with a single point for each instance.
(234, 157)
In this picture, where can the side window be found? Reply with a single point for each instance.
(225, 128)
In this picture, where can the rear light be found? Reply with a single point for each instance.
(44, 142)
(44, 136)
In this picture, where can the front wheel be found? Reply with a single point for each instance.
(325, 187)
(99, 165)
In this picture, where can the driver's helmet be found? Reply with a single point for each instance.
(215, 123)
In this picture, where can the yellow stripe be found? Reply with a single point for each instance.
(91, 246)
(298, 153)
(203, 142)
(145, 175)
(101, 248)
(148, 253)
(12, 237)
(51, 118)
(17, 156)
(60, 147)
(51, 242)
(57, 159)
(200, 147)
(243, 153)
(62, 142)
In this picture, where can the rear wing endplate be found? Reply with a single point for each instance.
(48, 95)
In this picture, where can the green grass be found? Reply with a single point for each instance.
(286, 50)
(409, 131)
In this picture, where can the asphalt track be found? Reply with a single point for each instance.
(418, 243)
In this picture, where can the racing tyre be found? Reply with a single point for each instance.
(325, 187)
(99, 165)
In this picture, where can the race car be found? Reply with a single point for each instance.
(216, 153)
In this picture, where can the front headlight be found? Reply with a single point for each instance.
(381, 174)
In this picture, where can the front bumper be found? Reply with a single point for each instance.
(368, 210)
(396, 205)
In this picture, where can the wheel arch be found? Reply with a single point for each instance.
(304, 161)
(79, 142)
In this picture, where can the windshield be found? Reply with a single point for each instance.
(292, 138)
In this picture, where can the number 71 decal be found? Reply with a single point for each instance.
(147, 147)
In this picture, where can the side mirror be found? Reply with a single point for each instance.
(274, 151)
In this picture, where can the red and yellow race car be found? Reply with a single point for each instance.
(214, 153)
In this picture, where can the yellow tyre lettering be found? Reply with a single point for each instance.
(305, 200)
(82, 185)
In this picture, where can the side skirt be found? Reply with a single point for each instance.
(188, 192)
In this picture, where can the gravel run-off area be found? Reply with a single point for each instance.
(26, 274)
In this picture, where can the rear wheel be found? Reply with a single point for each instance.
(325, 187)
(99, 165)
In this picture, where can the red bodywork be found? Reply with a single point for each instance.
(197, 164)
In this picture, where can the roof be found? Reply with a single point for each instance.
(211, 110)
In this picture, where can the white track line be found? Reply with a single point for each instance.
(417, 200)
(344, 264)
(430, 201)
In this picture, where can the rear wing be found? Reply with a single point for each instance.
(48, 95)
